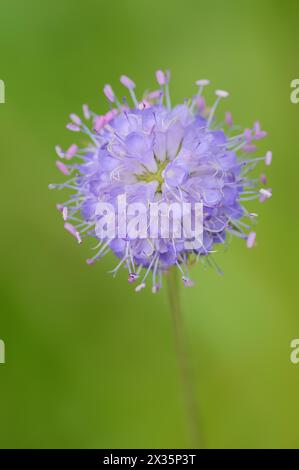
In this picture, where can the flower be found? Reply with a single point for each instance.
(151, 152)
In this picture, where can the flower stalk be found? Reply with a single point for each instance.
(188, 389)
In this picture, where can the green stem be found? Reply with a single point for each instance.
(187, 384)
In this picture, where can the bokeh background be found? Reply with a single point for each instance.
(90, 363)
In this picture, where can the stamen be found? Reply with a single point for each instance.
(187, 282)
(220, 94)
(216, 266)
(249, 148)
(156, 288)
(86, 111)
(162, 81)
(251, 240)
(132, 278)
(236, 233)
(115, 270)
(98, 123)
(90, 134)
(65, 213)
(127, 82)
(228, 118)
(247, 135)
(263, 178)
(167, 95)
(100, 253)
(201, 103)
(142, 285)
(73, 127)
(256, 127)
(153, 95)
(201, 84)
(108, 92)
(161, 77)
(78, 237)
(139, 287)
(71, 229)
(144, 105)
(265, 194)
(252, 160)
(59, 151)
(178, 265)
(131, 257)
(161, 98)
(71, 151)
(62, 167)
(75, 119)
(258, 133)
(268, 158)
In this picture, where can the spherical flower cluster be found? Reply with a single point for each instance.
(151, 152)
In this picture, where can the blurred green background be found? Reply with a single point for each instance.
(90, 363)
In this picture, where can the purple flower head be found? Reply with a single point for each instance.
(154, 153)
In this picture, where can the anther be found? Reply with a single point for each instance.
(108, 92)
(250, 242)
